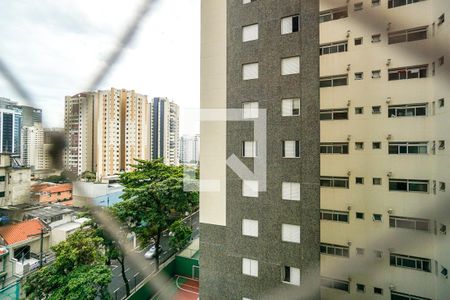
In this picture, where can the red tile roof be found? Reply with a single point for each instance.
(19, 232)
(54, 188)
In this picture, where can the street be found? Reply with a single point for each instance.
(135, 274)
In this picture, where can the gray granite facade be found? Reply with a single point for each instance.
(222, 248)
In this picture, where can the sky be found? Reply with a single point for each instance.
(55, 49)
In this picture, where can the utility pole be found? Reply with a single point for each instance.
(42, 248)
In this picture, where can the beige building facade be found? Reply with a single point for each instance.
(384, 161)
(32, 147)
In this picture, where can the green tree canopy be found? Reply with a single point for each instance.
(181, 235)
(79, 270)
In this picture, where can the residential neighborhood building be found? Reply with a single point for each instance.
(190, 149)
(32, 147)
(15, 182)
(51, 192)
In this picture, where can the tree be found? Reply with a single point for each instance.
(153, 199)
(79, 271)
(181, 235)
(88, 176)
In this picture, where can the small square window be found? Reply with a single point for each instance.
(444, 272)
(376, 110)
(441, 145)
(358, 6)
(378, 254)
(377, 217)
(376, 145)
(359, 180)
(441, 60)
(376, 74)
(378, 291)
(376, 38)
(359, 251)
(360, 215)
(441, 102)
(442, 186)
(375, 2)
(358, 41)
(361, 288)
(359, 110)
(359, 146)
(376, 181)
(359, 76)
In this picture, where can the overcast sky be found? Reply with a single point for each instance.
(55, 48)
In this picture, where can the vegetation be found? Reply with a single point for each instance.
(88, 176)
(62, 178)
(153, 199)
(79, 271)
(181, 235)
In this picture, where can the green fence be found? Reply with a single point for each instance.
(10, 292)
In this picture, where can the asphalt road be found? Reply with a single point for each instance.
(136, 274)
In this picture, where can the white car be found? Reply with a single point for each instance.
(151, 252)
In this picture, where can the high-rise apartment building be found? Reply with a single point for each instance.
(10, 126)
(190, 149)
(50, 135)
(80, 132)
(164, 135)
(31, 115)
(32, 147)
(384, 160)
(106, 131)
(260, 56)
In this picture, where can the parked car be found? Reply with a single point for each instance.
(152, 252)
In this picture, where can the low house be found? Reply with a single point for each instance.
(24, 242)
(52, 192)
(61, 232)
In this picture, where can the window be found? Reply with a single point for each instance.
(408, 147)
(334, 215)
(331, 81)
(359, 75)
(290, 107)
(441, 102)
(378, 291)
(248, 1)
(444, 272)
(411, 262)
(359, 180)
(291, 149)
(376, 110)
(358, 41)
(290, 233)
(290, 191)
(358, 6)
(360, 215)
(408, 73)
(378, 254)
(409, 223)
(250, 33)
(291, 275)
(335, 284)
(376, 181)
(250, 267)
(249, 149)
(289, 24)
(396, 3)
(333, 14)
(359, 146)
(290, 65)
(376, 74)
(407, 110)
(409, 35)
(2, 194)
(334, 114)
(376, 38)
(441, 60)
(377, 217)
(359, 251)
(361, 288)
(442, 186)
(441, 19)
(334, 148)
(335, 47)
(2, 178)
(441, 145)
(375, 2)
(336, 182)
(250, 71)
(250, 228)
(335, 250)
(250, 188)
(408, 185)
(250, 110)
(359, 110)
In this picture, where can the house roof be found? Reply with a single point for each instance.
(52, 188)
(20, 232)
